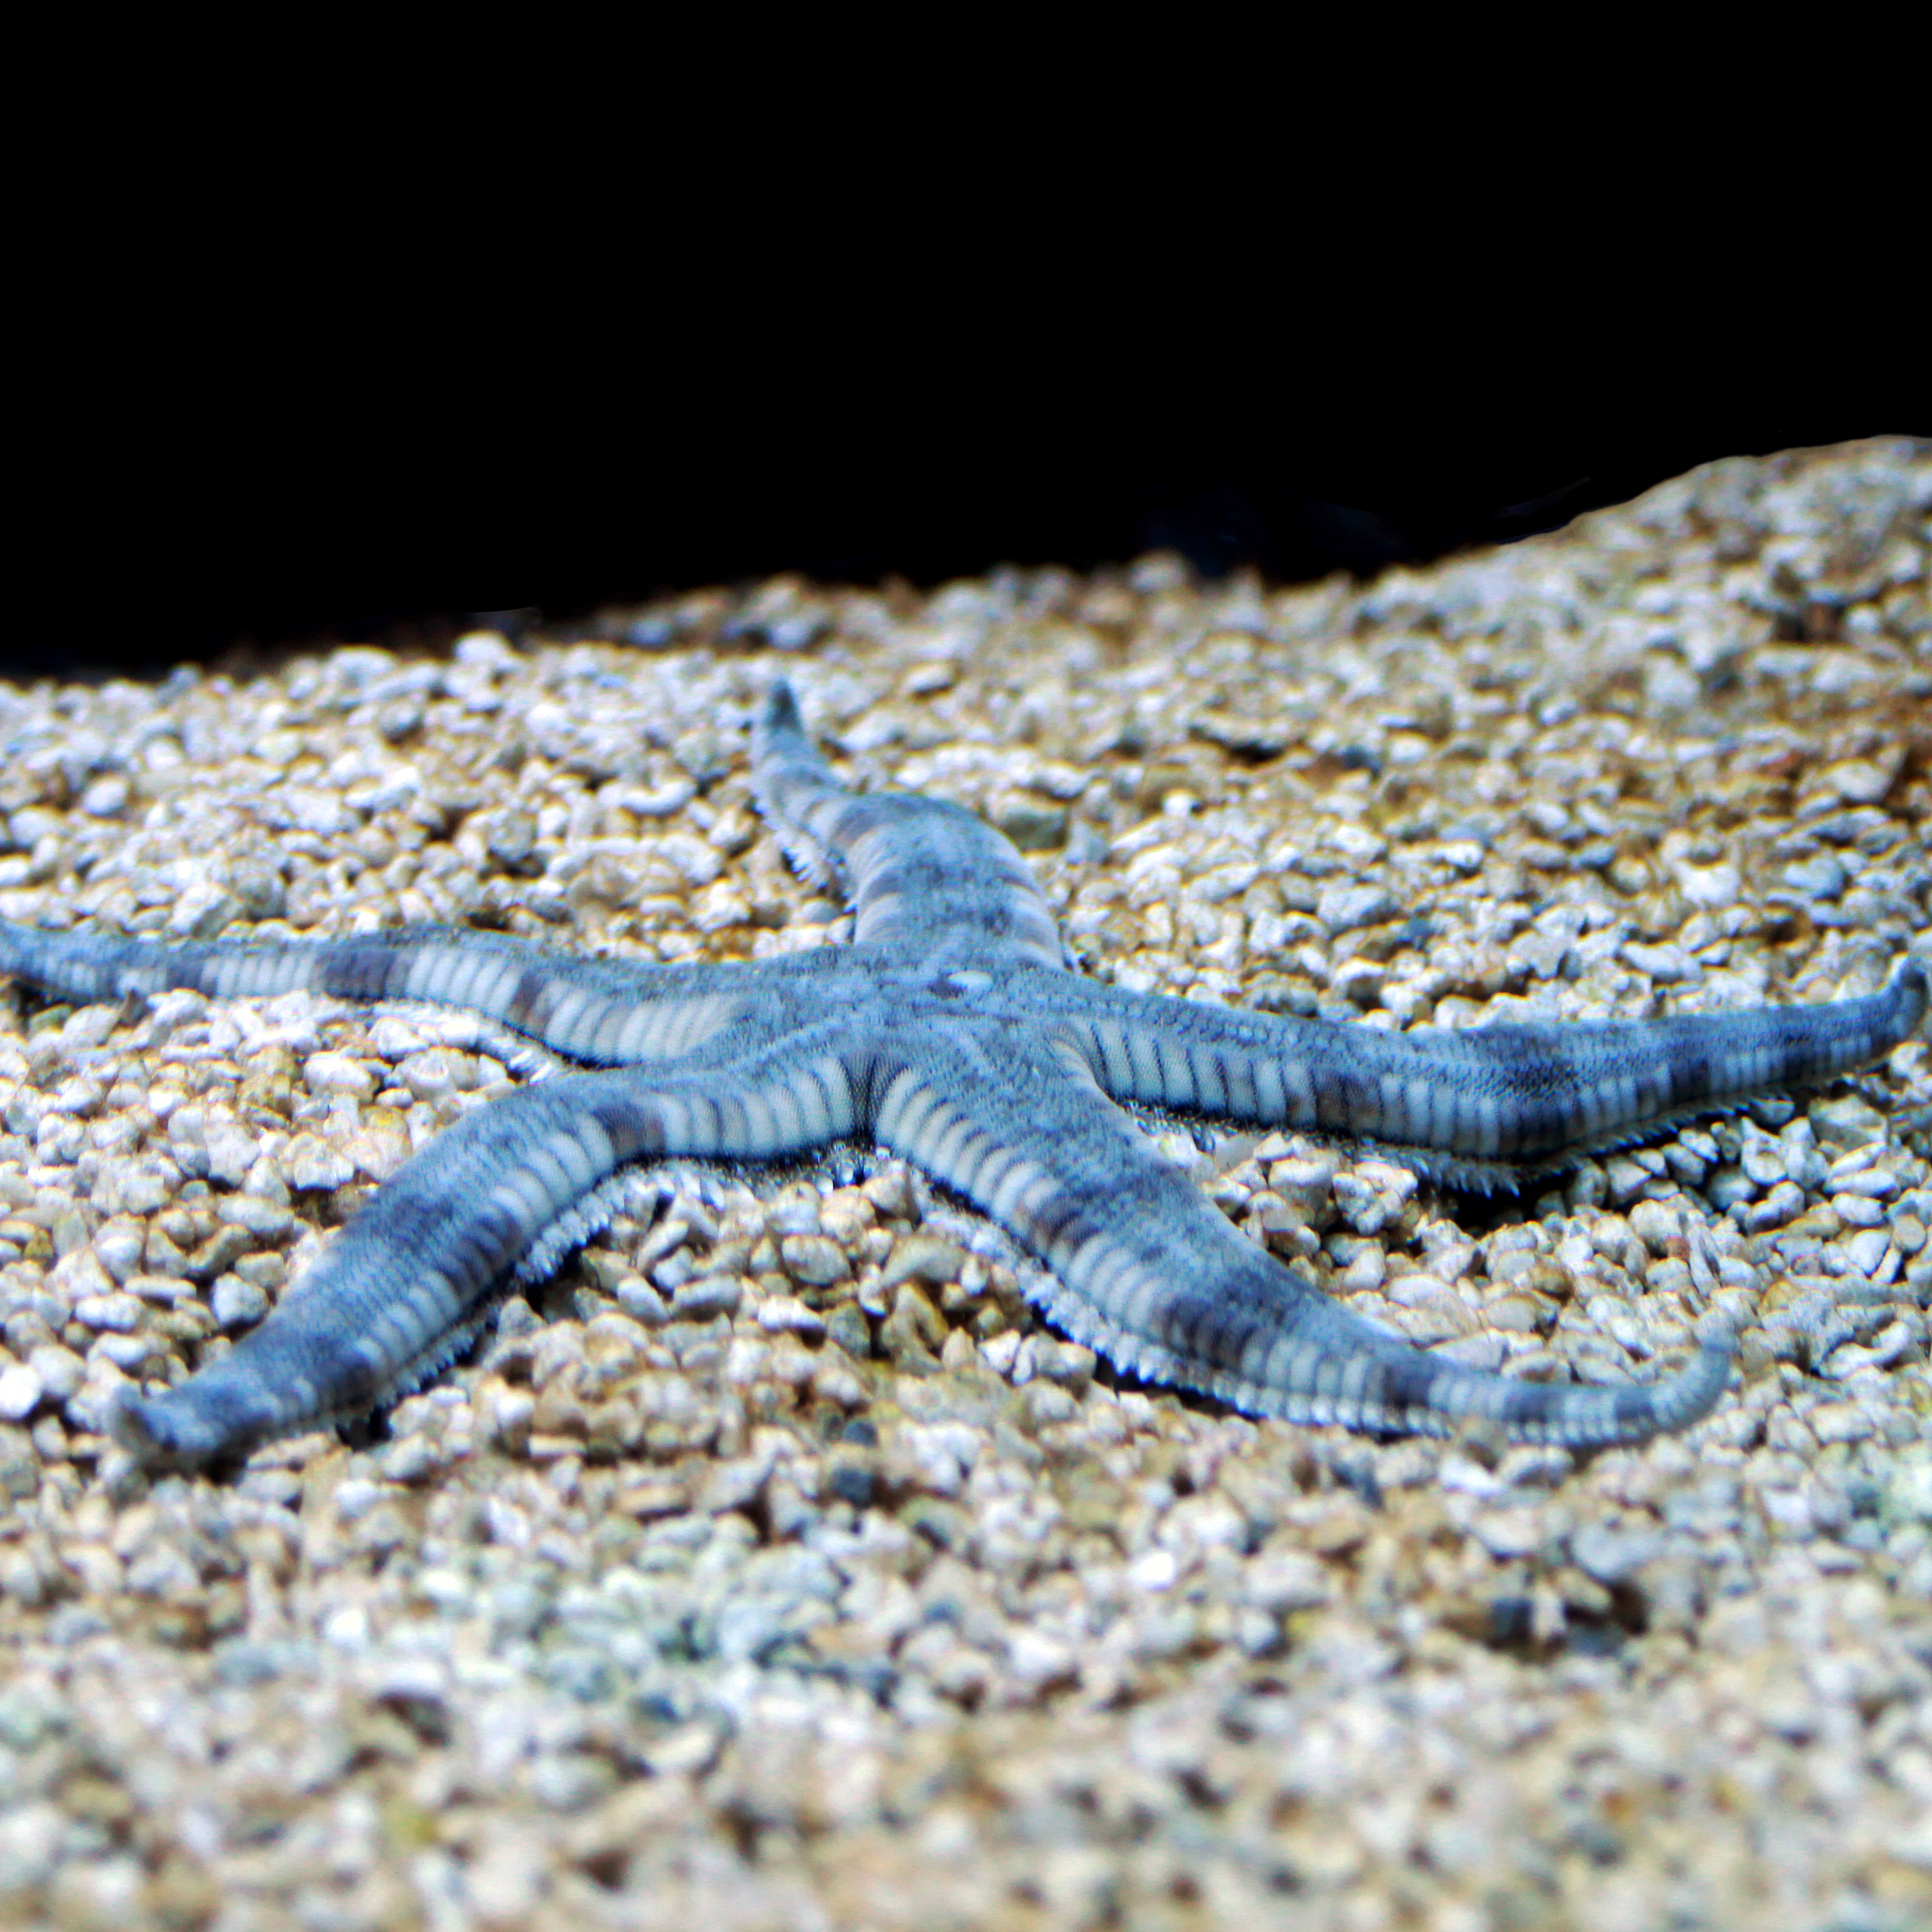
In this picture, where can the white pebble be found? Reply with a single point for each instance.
(119, 1313)
(20, 1392)
(336, 1073)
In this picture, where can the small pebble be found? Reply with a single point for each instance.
(20, 1391)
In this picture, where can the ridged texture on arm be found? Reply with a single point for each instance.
(1151, 1276)
(602, 1015)
(919, 871)
(1492, 1099)
(395, 1296)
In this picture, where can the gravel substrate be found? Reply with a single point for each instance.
(779, 1568)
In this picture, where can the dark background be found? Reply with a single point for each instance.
(171, 531)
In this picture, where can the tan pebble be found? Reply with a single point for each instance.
(1550, 1278)
(1041, 1403)
(336, 1073)
(1656, 1225)
(815, 1260)
(218, 1253)
(612, 1340)
(1282, 1580)
(1518, 1314)
(59, 1369)
(786, 1314)
(732, 1485)
(640, 1300)
(914, 1329)
(27, 1237)
(119, 1313)
(412, 1459)
(382, 1145)
(834, 1379)
(260, 1216)
(118, 1246)
(310, 1164)
(1068, 1364)
(1509, 1533)
(1840, 1422)
(1343, 1527)
(1365, 1272)
(891, 1193)
(604, 1267)
(1443, 1316)
(507, 1411)
(924, 1258)
(846, 1214)
(846, 1324)
(655, 1495)
(709, 1295)
(1858, 780)
(1858, 1211)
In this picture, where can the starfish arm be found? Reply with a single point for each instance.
(1491, 1098)
(919, 871)
(1151, 1276)
(602, 1012)
(404, 1286)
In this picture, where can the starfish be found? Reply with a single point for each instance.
(954, 1031)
